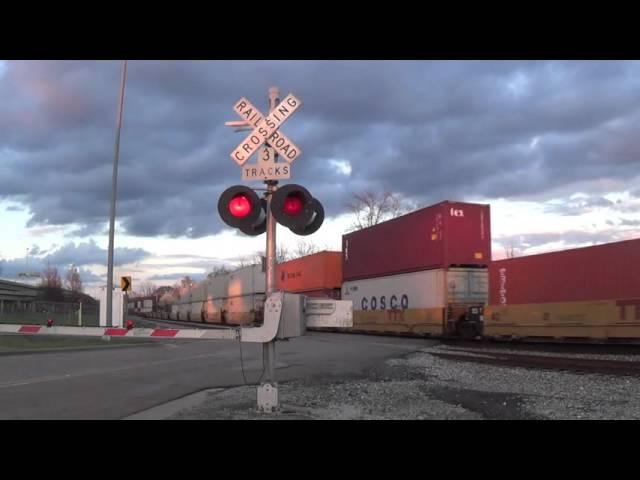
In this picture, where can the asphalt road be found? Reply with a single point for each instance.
(114, 383)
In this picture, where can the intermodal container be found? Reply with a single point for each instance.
(316, 272)
(414, 302)
(440, 236)
(600, 272)
(435, 288)
(245, 281)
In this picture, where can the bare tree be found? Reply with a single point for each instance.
(187, 281)
(218, 270)
(510, 251)
(146, 289)
(370, 208)
(175, 291)
(73, 280)
(51, 284)
(304, 248)
(51, 278)
(282, 255)
(247, 260)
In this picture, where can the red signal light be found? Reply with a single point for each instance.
(293, 205)
(295, 208)
(240, 206)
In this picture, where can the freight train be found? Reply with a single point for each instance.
(430, 273)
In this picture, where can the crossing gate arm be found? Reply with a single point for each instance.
(159, 333)
(285, 316)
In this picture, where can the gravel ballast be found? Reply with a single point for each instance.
(421, 386)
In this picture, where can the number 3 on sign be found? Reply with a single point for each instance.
(267, 154)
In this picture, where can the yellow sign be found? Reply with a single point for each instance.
(125, 284)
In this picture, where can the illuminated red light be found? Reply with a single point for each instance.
(240, 206)
(292, 205)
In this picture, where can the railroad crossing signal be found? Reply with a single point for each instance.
(292, 207)
(266, 130)
(125, 284)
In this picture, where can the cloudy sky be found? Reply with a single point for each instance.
(554, 147)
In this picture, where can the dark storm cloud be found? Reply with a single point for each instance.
(16, 269)
(186, 261)
(572, 237)
(629, 223)
(428, 130)
(89, 253)
(175, 277)
(579, 206)
(81, 255)
(87, 230)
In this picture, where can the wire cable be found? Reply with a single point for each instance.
(263, 366)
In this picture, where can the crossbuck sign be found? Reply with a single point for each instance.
(266, 130)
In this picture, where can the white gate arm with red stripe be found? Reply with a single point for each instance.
(264, 333)
(285, 316)
(223, 334)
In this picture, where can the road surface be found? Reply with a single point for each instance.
(114, 383)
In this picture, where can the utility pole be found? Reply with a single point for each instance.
(114, 189)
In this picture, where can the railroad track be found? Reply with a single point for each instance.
(567, 361)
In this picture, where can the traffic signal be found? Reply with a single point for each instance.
(294, 207)
(240, 207)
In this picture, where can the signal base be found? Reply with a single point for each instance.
(268, 397)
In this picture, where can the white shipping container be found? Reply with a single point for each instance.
(213, 308)
(244, 303)
(243, 309)
(217, 287)
(246, 281)
(468, 285)
(425, 289)
(183, 309)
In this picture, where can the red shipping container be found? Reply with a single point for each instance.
(442, 235)
(319, 271)
(600, 272)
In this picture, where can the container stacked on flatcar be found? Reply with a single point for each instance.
(315, 275)
(235, 298)
(421, 273)
(244, 302)
(591, 292)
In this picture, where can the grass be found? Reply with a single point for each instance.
(13, 343)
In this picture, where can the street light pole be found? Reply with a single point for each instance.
(114, 188)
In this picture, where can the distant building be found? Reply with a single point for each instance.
(15, 296)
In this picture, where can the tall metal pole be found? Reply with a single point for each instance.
(114, 189)
(269, 349)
